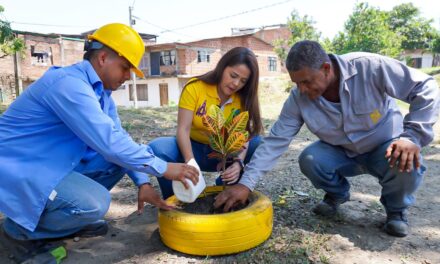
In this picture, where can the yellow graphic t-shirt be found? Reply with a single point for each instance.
(197, 97)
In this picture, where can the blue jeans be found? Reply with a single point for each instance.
(167, 149)
(82, 199)
(328, 166)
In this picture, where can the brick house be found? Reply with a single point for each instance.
(42, 52)
(167, 67)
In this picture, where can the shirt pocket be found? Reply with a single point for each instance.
(367, 114)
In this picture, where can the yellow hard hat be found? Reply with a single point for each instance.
(124, 40)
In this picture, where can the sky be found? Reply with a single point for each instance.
(188, 20)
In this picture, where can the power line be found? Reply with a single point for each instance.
(165, 29)
(46, 25)
(226, 17)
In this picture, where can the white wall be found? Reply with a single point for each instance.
(121, 96)
(426, 57)
(427, 60)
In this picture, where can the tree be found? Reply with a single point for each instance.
(301, 28)
(435, 49)
(367, 30)
(416, 31)
(9, 43)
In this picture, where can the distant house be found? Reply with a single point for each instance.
(169, 66)
(420, 58)
(42, 51)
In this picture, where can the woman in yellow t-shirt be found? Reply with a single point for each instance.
(233, 86)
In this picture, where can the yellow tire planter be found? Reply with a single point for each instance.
(217, 234)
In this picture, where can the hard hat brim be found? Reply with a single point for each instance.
(138, 72)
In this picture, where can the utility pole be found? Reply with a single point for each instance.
(133, 75)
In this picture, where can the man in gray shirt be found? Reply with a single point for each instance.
(349, 103)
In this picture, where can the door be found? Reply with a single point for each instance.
(155, 63)
(163, 90)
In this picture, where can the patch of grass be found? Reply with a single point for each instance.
(437, 78)
(375, 206)
(3, 108)
(431, 71)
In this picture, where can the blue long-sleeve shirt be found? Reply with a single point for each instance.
(61, 118)
(366, 116)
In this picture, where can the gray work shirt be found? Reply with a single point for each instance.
(366, 117)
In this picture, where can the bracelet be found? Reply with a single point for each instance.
(240, 162)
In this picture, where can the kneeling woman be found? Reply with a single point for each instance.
(233, 86)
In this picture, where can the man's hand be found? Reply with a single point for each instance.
(180, 172)
(405, 153)
(147, 194)
(231, 197)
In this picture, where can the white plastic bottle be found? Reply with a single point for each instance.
(189, 195)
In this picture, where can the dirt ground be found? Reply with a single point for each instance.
(298, 235)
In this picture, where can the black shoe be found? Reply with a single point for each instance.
(397, 224)
(329, 205)
(32, 251)
(97, 229)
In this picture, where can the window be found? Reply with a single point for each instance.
(415, 63)
(203, 56)
(144, 63)
(141, 92)
(168, 57)
(41, 57)
(272, 63)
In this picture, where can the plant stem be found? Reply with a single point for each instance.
(224, 169)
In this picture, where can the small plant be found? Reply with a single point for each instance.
(226, 136)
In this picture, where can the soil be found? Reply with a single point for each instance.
(299, 236)
(205, 205)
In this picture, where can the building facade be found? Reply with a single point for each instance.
(169, 66)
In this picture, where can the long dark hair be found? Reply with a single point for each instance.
(249, 92)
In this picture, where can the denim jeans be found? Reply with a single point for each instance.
(167, 149)
(328, 166)
(82, 199)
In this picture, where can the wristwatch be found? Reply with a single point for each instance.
(240, 162)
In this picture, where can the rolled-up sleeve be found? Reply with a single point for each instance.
(418, 89)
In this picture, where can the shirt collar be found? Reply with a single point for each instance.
(346, 68)
(93, 78)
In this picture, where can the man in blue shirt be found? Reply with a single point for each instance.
(349, 103)
(62, 148)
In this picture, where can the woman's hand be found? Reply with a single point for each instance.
(232, 173)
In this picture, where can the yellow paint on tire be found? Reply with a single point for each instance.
(217, 234)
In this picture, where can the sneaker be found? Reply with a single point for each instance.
(32, 251)
(397, 224)
(329, 205)
(97, 229)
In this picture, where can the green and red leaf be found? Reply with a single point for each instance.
(210, 124)
(235, 142)
(217, 115)
(216, 144)
(239, 123)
